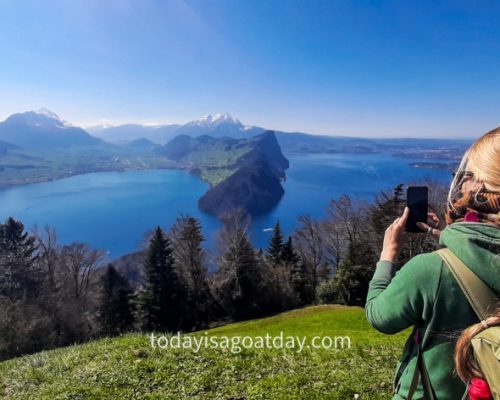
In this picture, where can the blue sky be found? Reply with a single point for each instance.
(340, 67)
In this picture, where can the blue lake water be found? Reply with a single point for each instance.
(314, 179)
(113, 211)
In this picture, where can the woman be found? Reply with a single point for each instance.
(424, 294)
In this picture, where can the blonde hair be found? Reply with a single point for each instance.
(483, 160)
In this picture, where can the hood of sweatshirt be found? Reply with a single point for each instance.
(478, 246)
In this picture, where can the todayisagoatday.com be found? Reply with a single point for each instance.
(235, 344)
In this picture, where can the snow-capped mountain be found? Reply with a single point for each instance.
(41, 117)
(218, 125)
(215, 125)
(43, 129)
(212, 120)
(52, 116)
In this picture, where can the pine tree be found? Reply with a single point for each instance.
(353, 276)
(187, 239)
(398, 193)
(20, 276)
(274, 252)
(115, 312)
(288, 254)
(302, 284)
(242, 258)
(300, 276)
(239, 281)
(160, 298)
(385, 210)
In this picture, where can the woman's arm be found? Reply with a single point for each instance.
(395, 302)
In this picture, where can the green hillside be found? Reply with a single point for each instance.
(216, 159)
(128, 368)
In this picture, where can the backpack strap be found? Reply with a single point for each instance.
(420, 374)
(482, 299)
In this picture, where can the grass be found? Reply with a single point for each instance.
(128, 368)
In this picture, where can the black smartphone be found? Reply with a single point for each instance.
(417, 202)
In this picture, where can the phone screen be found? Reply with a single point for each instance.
(417, 202)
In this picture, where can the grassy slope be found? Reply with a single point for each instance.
(216, 161)
(127, 368)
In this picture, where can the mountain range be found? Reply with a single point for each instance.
(216, 125)
(43, 129)
(243, 164)
(224, 125)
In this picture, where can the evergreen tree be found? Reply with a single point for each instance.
(160, 298)
(326, 292)
(302, 284)
(300, 276)
(288, 254)
(115, 312)
(385, 210)
(274, 252)
(243, 259)
(239, 280)
(20, 276)
(353, 276)
(398, 193)
(344, 281)
(187, 239)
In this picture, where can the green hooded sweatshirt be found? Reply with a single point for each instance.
(425, 295)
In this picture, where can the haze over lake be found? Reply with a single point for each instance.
(113, 210)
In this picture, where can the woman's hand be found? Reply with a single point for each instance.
(431, 226)
(394, 238)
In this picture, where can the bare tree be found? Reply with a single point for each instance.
(309, 243)
(48, 253)
(334, 240)
(79, 263)
(348, 215)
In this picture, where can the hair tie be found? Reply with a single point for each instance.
(484, 324)
(479, 389)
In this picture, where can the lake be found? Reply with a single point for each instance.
(114, 210)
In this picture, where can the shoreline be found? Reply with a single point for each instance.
(5, 186)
